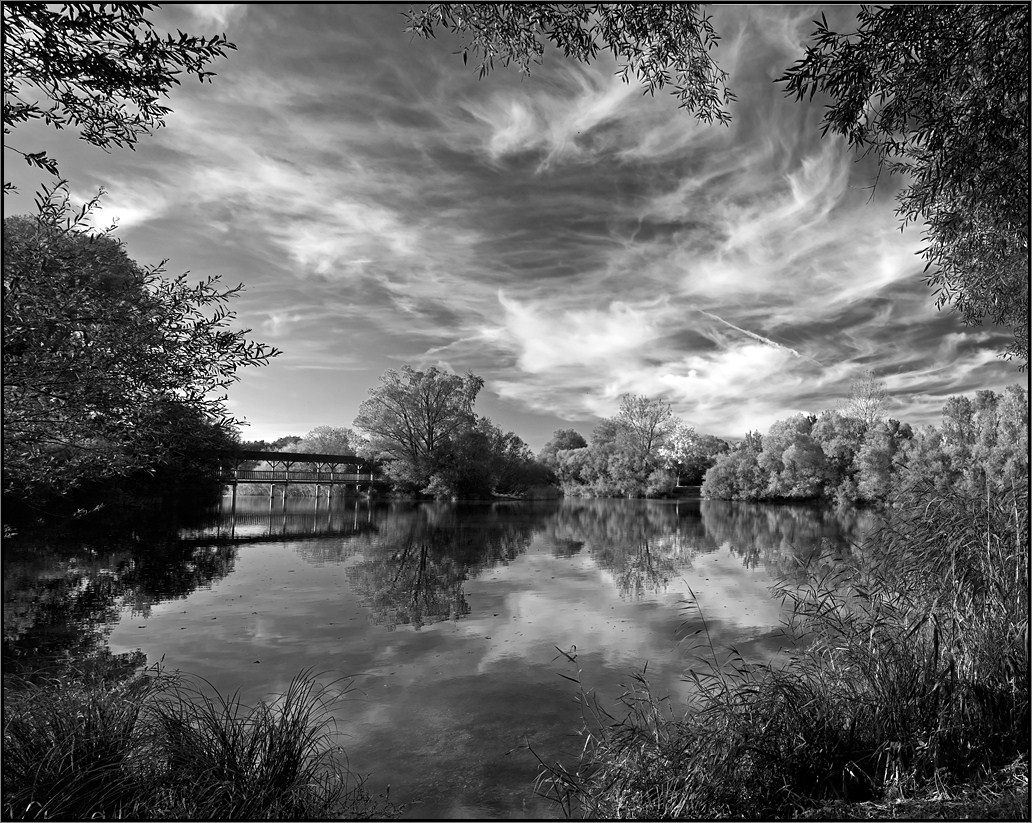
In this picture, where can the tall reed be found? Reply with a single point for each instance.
(911, 676)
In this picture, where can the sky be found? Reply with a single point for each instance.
(562, 235)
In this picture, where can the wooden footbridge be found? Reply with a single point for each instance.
(340, 472)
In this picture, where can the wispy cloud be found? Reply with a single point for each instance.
(561, 235)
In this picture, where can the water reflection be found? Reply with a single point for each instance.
(783, 539)
(643, 543)
(450, 615)
(260, 518)
(415, 564)
(409, 562)
(646, 543)
(60, 601)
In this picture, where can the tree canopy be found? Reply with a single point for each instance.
(101, 66)
(868, 397)
(936, 93)
(413, 417)
(422, 427)
(323, 440)
(981, 445)
(561, 439)
(108, 367)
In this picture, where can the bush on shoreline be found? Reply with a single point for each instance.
(911, 680)
(159, 745)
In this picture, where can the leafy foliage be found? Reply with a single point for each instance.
(102, 67)
(648, 422)
(661, 44)
(689, 454)
(561, 439)
(109, 367)
(323, 440)
(275, 445)
(838, 456)
(940, 94)
(413, 417)
(645, 451)
(421, 424)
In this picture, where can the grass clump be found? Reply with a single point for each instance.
(910, 685)
(75, 749)
(165, 746)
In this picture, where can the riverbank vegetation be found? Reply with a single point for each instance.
(842, 457)
(910, 684)
(421, 428)
(158, 745)
(644, 451)
(110, 369)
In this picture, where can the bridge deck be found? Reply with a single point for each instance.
(283, 476)
(297, 467)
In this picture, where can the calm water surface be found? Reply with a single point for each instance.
(450, 619)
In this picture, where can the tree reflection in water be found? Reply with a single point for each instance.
(407, 561)
(784, 538)
(646, 543)
(62, 597)
(413, 570)
(643, 543)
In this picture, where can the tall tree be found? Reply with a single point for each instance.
(105, 362)
(795, 465)
(868, 397)
(101, 66)
(413, 417)
(108, 367)
(689, 454)
(649, 422)
(561, 439)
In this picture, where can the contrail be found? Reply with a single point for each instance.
(753, 335)
(759, 337)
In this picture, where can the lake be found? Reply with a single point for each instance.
(459, 624)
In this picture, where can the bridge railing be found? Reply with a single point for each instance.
(283, 476)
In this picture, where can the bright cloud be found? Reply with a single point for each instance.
(216, 14)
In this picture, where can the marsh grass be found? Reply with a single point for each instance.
(75, 749)
(168, 746)
(909, 683)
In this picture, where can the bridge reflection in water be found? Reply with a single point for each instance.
(259, 518)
